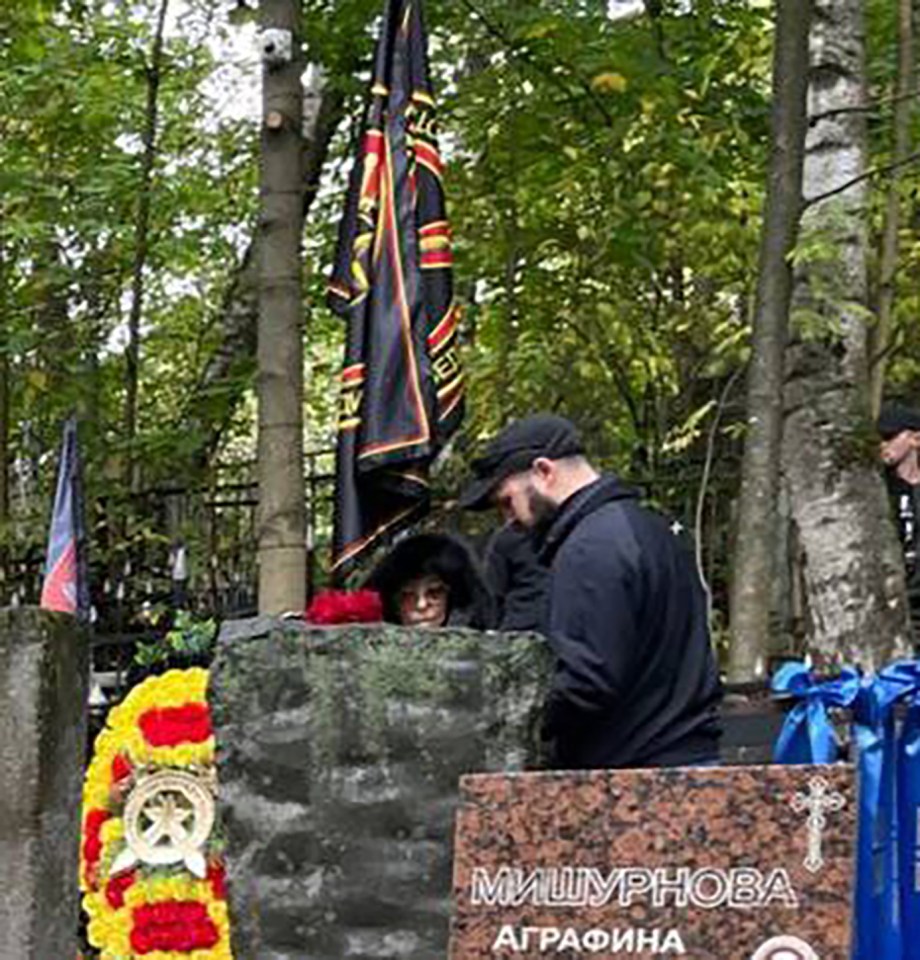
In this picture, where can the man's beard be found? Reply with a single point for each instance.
(542, 511)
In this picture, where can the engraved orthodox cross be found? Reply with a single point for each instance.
(819, 801)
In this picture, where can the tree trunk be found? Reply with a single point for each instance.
(756, 536)
(229, 370)
(852, 570)
(915, 30)
(141, 230)
(4, 433)
(880, 339)
(282, 540)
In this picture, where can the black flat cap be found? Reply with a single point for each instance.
(515, 449)
(895, 419)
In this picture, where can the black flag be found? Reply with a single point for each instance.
(402, 385)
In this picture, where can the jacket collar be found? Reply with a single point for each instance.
(582, 503)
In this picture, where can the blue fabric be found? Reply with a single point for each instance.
(808, 735)
(878, 931)
(887, 900)
(906, 675)
(909, 841)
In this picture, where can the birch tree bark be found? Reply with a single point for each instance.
(755, 553)
(852, 572)
(281, 525)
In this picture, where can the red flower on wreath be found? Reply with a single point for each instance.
(121, 768)
(92, 841)
(181, 925)
(116, 887)
(217, 877)
(190, 723)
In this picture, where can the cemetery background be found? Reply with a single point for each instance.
(130, 291)
(586, 252)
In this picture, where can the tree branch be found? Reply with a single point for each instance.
(611, 366)
(517, 50)
(890, 350)
(868, 175)
(704, 485)
(653, 9)
(142, 239)
(864, 108)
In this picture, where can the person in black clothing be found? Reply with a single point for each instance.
(899, 428)
(433, 580)
(517, 580)
(636, 683)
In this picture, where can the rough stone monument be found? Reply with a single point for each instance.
(740, 863)
(44, 669)
(339, 755)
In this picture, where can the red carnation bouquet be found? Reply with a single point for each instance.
(331, 607)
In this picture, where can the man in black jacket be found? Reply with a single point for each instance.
(636, 683)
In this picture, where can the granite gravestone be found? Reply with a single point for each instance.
(340, 750)
(746, 863)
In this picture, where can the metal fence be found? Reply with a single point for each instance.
(166, 548)
(135, 569)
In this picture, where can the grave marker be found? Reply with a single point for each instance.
(740, 863)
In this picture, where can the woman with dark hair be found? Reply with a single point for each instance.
(432, 580)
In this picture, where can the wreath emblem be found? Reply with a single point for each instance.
(151, 870)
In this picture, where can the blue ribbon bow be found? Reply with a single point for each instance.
(808, 735)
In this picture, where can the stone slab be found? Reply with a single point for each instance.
(44, 670)
(339, 755)
(706, 863)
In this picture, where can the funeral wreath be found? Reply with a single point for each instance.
(151, 871)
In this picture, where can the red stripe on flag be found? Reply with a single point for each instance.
(440, 228)
(445, 328)
(437, 258)
(59, 591)
(429, 157)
